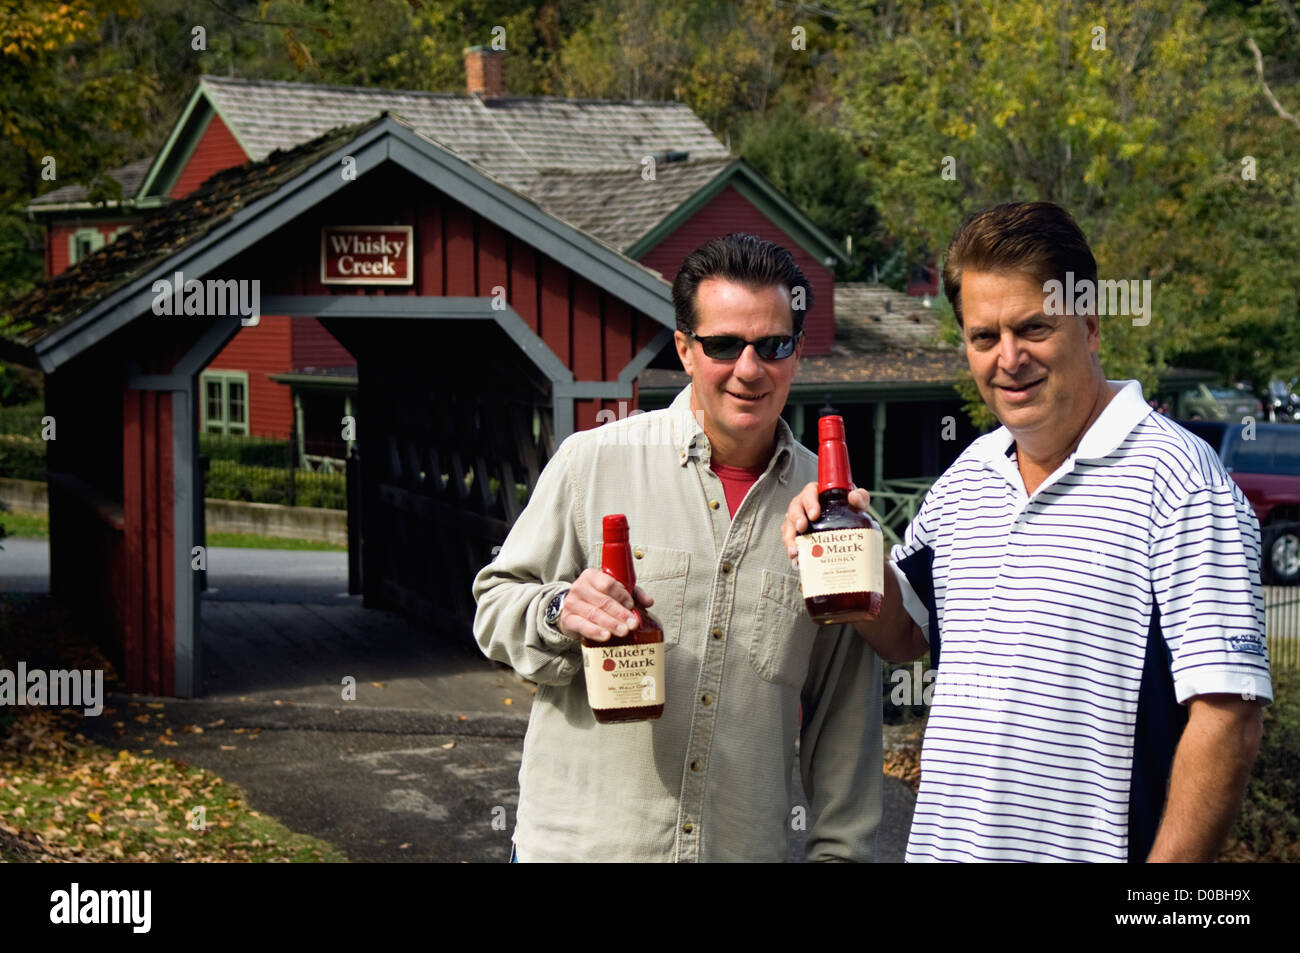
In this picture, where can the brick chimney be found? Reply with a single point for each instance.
(483, 74)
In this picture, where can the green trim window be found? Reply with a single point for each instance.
(84, 242)
(224, 402)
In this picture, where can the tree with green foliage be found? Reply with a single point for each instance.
(1149, 122)
(802, 153)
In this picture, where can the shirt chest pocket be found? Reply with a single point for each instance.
(662, 574)
(781, 642)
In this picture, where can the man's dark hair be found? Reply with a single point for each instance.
(746, 259)
(1038, 239)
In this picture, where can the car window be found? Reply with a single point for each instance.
(1286, 452)
(1251, 456)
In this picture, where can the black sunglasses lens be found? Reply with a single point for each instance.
(723, 348)
(774, 348)
(728, 348)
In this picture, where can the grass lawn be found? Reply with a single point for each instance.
(249, 541)
(65, 798)
(37, 526)
(25, 525)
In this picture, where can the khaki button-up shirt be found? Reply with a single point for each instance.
(711, 779)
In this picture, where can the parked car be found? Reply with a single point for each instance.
(1221, 403)
(1266, 465)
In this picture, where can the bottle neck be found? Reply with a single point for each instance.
(833, 467)
(616, 560)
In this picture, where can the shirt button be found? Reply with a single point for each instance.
(706, 699)
(695, 765)
(717, 632)
(726, 567)
(688, 827)
(713, 504)
(639, 554)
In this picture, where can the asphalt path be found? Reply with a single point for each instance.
(383, 785)
(434, 781)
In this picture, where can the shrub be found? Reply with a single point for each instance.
(250, 451)
(22, 457)
(1268, 827)
(227, 480)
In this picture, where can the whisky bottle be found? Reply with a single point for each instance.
(625, 676)
(841, 555)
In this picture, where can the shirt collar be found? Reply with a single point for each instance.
(690, 440)
(1125, 411)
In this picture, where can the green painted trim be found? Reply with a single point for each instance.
(87, 209)
(678, 216)
(766, 197)
(181, 144)
(774, 195)
(226, 378)
(159, 160)
(233, 130)
(181, 159)
(870, 392)
(97, 241)
(315, 382)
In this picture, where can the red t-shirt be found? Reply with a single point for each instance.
(736, 482)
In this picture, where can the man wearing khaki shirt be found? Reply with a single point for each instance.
(704, 484)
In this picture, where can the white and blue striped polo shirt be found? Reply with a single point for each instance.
(1071, 624)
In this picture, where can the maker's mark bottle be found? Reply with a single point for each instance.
(841, 556)
(625, 676)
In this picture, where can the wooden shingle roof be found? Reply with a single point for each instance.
(618, 205)
(53, 303)
(129, 176)
(510, 137)
(113, 286)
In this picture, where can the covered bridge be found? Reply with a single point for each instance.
(492, 331)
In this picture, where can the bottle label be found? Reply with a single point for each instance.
(624, 676)
(841, 560)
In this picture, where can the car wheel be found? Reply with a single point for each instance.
(1281, 562)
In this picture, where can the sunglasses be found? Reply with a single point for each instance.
(728, 347)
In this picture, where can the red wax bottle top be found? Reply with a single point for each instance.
(832, 455)
(616, 554)
(614, 527)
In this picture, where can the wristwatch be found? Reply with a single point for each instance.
(552, 616)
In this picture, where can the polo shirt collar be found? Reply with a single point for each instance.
(690, 440)
(1124, 412)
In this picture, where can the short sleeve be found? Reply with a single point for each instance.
(912, 560)
(1205, 578)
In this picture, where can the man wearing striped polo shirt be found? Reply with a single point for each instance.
(1086, 579)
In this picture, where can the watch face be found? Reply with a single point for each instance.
(553, 609)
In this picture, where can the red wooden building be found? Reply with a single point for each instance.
(542, 246)
(465, 392)
(650, 179)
